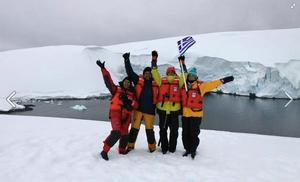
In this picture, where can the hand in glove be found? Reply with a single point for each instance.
(100, 64)
(181, 59)
(154, 59)
(126, 102)
(126, 56)
(154, 54)
(227, 79)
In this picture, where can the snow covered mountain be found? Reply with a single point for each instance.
(263, 62)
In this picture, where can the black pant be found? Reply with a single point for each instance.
(165, 122)
(190, 133)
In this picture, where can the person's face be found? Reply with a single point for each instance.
(147, 75)
(126, 84)
(171, 73)
(192, 78)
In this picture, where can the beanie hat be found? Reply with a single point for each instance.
(193, 71)
(126, 78)
(170, 69)
(147, 69)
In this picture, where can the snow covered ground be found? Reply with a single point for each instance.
(51, 149)
(263, 62)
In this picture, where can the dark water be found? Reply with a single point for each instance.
(221, 112)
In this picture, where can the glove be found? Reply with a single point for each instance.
(126, 56)
(154, 59)
(126, 102)
(154, 54)
(100, 64)
(227, 79)
(181, 59)
(123, 96)
(128, 105)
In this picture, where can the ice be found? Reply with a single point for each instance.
(79, 107)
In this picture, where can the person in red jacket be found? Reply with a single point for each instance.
(122, 103)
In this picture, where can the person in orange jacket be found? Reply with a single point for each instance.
(168, 106)
(122, 103)
(192, 104)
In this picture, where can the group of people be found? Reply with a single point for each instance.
(138, 97)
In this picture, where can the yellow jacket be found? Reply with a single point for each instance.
(204, 88)
(167, 106)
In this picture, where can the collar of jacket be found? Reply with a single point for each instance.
(170, 78)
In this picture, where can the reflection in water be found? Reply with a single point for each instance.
(221, 112)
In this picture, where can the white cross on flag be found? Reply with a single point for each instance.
(184, 44)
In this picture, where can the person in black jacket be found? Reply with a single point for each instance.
(147, 92)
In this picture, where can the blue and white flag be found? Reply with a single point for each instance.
(184, 44)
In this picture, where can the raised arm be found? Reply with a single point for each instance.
(155, 73)
(208, 86)
(107, 78)
(131, 74)
(183, 74)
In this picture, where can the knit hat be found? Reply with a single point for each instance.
(170, 69)
(126, 78)
(147, 69)
(193, 71)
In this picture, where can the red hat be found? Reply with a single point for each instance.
(170, 69)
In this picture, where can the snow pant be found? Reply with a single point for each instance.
(120, 121)
(190, 133)
(168, 121)
(135, 127)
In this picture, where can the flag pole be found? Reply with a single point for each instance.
(182, 72)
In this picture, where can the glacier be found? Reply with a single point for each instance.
(263, 62)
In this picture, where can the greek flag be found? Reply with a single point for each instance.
(184, 44)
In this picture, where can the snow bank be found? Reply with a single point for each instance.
(258, 59)
(53, 149)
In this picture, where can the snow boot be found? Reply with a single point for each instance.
(128, 149)
(122, 151)
(193, 154)
(172, 150)
(186, 153)
(151, 150)
(104, 155)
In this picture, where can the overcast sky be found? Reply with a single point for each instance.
(31, 23)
